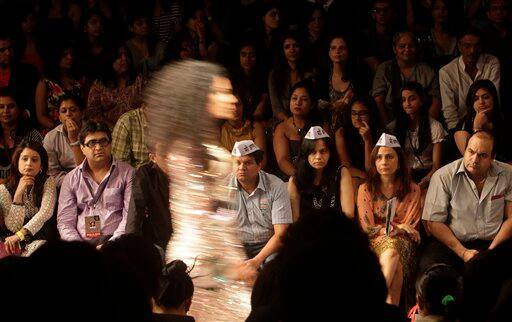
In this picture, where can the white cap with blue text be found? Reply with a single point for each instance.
(244, 147)
(316, 132)
(388, 140)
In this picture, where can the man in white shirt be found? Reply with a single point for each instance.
(456, 77)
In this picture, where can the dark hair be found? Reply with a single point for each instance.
(93, 126)
(400, 34)
(469, 31)
(71, 97)
(175, 285)
(109, 78)
(305, 173)
(402, 124)
(40, 179)
(307, 84)
(5, 33)
(353, 140)
(349, 70)
(138, 258)
(22, 128)
(281, 71)
(470, 97)
(402, 175)
(55, 55)
(7, 92)
(438, 290)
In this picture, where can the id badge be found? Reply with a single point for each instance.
(92, 226)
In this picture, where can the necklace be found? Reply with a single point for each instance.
(298, 129)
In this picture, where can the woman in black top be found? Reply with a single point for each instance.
(319, 183)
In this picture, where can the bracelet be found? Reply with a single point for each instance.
(77, 143)
(20, 235)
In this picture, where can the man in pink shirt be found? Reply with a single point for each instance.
(94, 197)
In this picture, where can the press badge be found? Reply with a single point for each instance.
(92, 226)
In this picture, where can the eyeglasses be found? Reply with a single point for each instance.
(101, 142)
(361, 113)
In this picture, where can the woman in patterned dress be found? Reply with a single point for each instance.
(27, 201)
(389, 178)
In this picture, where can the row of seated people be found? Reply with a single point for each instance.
(312, 189)
(337, 73)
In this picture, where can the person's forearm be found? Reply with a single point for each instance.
(435, 108)
(504, 233)
(77, 154)
(382, 112)
(368, 147)
(271, 247)
(445, 235)
(287, 167)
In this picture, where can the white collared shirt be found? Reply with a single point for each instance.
(452, 198)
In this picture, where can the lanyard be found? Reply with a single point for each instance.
(100, 190)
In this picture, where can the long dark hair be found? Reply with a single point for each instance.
(40, 179)
(497, 117)
(109, 78)
(281, 71)
(402, 123)
(402, 175)
(305, 172)
(55, 55)
(22, 128)
(350, 133)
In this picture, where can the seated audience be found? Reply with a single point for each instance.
(319, 183)
(288, 70)
(262, 205)
(94, 197)
(419, 134)
(61, 78)
(27, 201)
(146, 54)
(117, 92)
(62, 143)
(437, 37)
(175, 297)
(17, 78)
(129, 142)
(456, 77)
(14, 129)
(468, 206)
(355, 140)
(484, 114)
(242, 128)
(250, 81)
(149, 213)
(393, 236)
(377, 40)
(338, 83)
(391, 76)
(288, 134)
